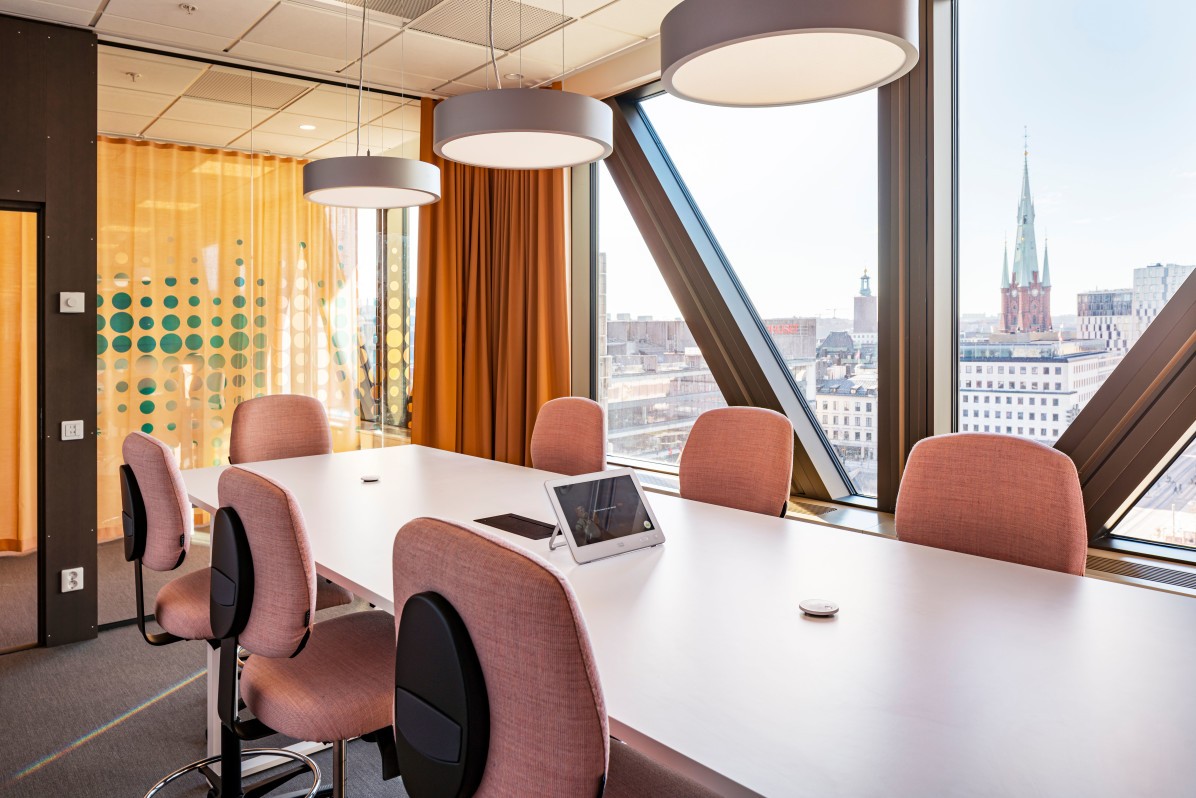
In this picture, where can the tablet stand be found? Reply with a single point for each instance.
(557, 531)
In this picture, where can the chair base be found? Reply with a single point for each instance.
(204, 764)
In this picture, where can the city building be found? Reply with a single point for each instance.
(1153, 286)
(865, 319)
(1107, 316)
(1027, 385)
(1026, 294)
(846, 410)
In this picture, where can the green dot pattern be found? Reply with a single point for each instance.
(177, 352)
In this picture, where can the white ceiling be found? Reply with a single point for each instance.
(420, 47)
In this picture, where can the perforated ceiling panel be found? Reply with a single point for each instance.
(238, 88)
(466, 20)
(404, 9)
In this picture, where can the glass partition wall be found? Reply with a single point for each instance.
(218, 282)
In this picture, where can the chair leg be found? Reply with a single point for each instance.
(338, 769)
(337, 788)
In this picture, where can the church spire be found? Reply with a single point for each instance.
(1046, 264)
(1025, 248)
(1005, 269)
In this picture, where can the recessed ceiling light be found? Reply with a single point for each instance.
(307, 127)
(513, 76)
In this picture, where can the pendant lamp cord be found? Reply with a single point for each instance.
(490, 31)
(360, 73)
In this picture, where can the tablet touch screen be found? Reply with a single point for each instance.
(603, 509)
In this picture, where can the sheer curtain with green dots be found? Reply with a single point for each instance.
(218, 282)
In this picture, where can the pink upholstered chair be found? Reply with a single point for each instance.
(547, 726)
(739, 457)
(330, 681)
(994, 496)
(157, 519)
(277, 427)
(569, 437)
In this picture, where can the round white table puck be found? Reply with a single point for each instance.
(370, 478)
(820, 608)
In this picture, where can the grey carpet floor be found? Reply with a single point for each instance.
(114, 585)
(109, 717)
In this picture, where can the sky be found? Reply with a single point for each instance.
(1104, 90)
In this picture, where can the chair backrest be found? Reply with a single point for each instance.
(739, 457)
(569, 437)
(277, 427)
(994, 496)
(284, 574)
(164, 496)
(548, 723)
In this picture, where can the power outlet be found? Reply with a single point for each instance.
(72, 579)
(72, 430)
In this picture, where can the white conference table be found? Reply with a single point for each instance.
(943, 674)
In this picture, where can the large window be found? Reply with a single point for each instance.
(1077, 189)
(790, 194)
(1166, 513)
(652, 380)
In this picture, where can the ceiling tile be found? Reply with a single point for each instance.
(279, 57)
(317, 32)
(453, 88)
(468, 21)
(335, 102)
(193, 132)
(164, 34)
(131, 101)
(75, 13)
(405, 118)
(373, 139)
(409, 149)
(533, 71)
(227, 19)
(425, 54)
(155, 73)
(210, 112)
(246, 87)
(401, 81)
(287, 124)
(334, 149)
(573, 8)
(584, 43)
(276, 143)
(638, 18)
(122, 124)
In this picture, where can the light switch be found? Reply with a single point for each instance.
(70, 302)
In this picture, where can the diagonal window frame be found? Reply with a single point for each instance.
(745, 361)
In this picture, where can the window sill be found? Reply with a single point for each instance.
(1142, 548)
(855, 514)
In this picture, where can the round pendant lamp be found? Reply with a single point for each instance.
(523, 129)
(365, 181)
(761, 53)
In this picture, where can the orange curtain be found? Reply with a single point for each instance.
(492, 317)
(217, 282)
(18, 382)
